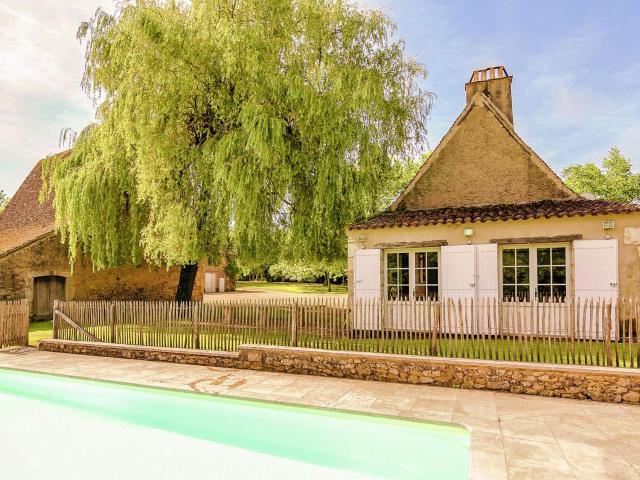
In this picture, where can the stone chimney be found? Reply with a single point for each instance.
(495, 83)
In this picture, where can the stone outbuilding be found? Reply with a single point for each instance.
(486, 218)
(34, 264)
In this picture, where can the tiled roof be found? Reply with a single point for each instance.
(25, 218)
(494, 213)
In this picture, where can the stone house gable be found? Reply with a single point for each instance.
(481, 161)
(31, 251)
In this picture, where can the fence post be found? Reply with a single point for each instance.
(607, 334)
(196, 327)
(25, 322)
(435, 314)
(294, 324)
(54, 320)
(112, 322)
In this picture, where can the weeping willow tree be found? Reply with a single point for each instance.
(244, 121)
(4, 200)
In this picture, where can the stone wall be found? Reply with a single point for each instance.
(173, 355)
(594, 383)
(491, 167)
(47, 256)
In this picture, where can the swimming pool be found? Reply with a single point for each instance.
(90, 429)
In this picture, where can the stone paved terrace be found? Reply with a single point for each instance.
(513, 436)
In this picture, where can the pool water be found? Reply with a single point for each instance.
(60, 427)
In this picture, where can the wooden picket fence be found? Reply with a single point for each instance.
(581, 332)
(14, 323)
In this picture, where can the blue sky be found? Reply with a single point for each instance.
(576, 67)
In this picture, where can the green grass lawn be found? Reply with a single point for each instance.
(221, 337)
(293, 287)
(39, 331)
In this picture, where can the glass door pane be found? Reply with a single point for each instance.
(552, 273)
(397, 276)
(516, 280)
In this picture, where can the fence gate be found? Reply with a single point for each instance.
(14, 323)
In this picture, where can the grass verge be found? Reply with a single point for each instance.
(40, 331)
(293, 287)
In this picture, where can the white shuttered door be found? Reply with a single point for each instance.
(596, 268)
(458, 272)
(470, 273)
(596, 273)
(487, 284)
(367, 273)
(367, 284)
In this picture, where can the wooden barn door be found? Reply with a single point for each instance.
(45, 291)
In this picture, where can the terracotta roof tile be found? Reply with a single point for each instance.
(25, 218)
(494, 213)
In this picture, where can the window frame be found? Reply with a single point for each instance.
(412, 271)
(533, 266)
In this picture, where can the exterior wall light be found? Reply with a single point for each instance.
(468, 232)
(606, 226)
(362, 238)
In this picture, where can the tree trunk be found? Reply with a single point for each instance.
(327, 278)
(185, 284)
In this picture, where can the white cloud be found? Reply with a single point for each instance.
(40, 92)
(564, 108)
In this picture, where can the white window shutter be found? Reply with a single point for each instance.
(596, 268)
(487, 275)
(366, 275)
(458, 272)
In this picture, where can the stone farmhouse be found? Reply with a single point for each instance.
(486, 218)
(34, 265)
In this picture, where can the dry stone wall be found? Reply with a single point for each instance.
(594, 383)
(48, 256)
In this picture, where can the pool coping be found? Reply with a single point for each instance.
(454, 425)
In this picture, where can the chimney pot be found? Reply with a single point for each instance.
(495, 83)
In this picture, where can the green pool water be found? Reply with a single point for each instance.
(267, 436)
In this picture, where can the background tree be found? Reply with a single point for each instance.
(615, 181)
(4, 200)
(221, 120)
(396, 178)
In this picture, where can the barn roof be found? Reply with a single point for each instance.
(494, 213)
(25, 219)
